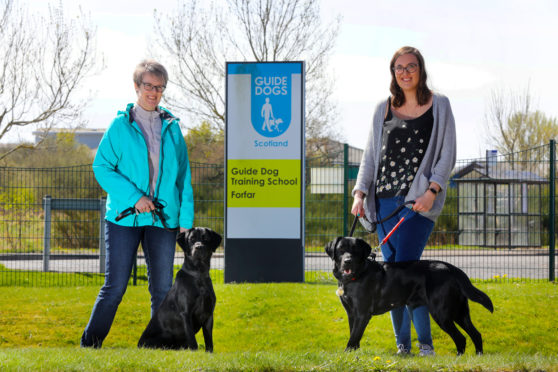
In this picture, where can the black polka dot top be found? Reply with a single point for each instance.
(404, 143)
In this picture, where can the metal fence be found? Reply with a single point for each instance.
(497, 223)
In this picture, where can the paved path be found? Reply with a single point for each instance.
(485, 264)
(477, 264)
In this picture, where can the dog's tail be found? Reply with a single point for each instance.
(472, 292)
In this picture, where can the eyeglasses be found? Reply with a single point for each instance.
(149, 87)
(411, 67)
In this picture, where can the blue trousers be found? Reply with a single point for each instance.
(406, 244)
(122, 243)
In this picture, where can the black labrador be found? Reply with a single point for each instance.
(190, 302)
(368, 287)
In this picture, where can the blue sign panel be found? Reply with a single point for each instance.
(270, 93)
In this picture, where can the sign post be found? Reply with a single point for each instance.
(264, 204)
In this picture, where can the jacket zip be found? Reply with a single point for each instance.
(137, 129)
(161, 156)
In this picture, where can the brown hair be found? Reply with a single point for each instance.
(153, 67)
(423, 93)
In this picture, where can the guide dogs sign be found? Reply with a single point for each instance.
(264, 157)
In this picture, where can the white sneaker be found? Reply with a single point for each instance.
(402, 350)
(426, 350)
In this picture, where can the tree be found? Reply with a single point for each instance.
(201, 39)
(514, 127)
(205, 145)
(42, 63)
(536, 128)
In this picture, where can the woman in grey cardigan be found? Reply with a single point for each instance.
(409, 155)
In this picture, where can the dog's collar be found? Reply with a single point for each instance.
(356, 276)
(341, 289)
(195, 273)
(191, 272)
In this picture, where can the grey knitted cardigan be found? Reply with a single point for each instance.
(436, 166)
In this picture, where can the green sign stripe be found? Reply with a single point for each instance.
(264, 183)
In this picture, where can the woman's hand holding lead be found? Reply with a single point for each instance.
(144, 205)
(358, 204)
(424, 202)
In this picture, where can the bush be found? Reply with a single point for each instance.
(23, 187)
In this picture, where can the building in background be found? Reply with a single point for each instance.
(89, 137)
(333, 168)
(500, 204)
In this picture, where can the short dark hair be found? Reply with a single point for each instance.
(153, 67)
(423, 93)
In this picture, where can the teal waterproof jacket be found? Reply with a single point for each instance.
(121, 167)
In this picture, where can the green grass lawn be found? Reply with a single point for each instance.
(272, 327)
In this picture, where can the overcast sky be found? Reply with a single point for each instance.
(470, 48)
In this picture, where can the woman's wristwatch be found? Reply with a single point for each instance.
(433, 190)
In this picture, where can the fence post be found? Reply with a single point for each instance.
(345, 188)
(552, 214)
(102, 247)
(46, 238)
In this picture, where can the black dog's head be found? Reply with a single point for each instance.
(198, 244)
(349, 256)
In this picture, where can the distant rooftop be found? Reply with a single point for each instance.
(89, 137)
(495, 171)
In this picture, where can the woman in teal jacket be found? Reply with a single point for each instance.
(142, 164)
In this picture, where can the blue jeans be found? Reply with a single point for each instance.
(406, 244)
(122, 244)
